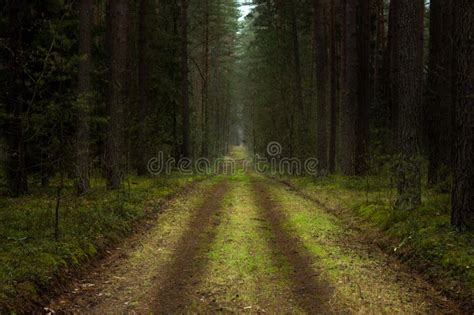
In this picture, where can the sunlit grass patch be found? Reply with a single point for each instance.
(241, 272)
(359, 278)
(238, 153)
(423, 236)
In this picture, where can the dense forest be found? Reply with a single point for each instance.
(379, 92)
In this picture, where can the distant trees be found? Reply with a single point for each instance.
(212, 58)
(279, 57)
(335, 90)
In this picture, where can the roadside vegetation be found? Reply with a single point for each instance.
(423, 237)
(247, 244)
(35, 249)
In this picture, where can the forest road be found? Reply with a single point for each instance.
(244, 243)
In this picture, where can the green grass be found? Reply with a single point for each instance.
(30, 257)
(241, 271)
(423, 237)
(359, 275)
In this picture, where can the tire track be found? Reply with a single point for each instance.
(310, 292)
(110, 283)
(186, 267)
(372, 243)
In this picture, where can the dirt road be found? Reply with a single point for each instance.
(247, 244)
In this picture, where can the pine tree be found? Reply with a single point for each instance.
(143, 86)
(349, 98)
(84, 91)
(323, 80)
(463, 73)
(185, 79)
(408, 56)
(438, 105)
(117, 36)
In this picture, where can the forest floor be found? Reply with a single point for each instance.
(246, 243)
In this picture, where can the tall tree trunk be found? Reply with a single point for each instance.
(14, 133)
(84, 91)
(117, 36)
(408, 54)
(297, 84)
(341, 49)
(348, 107)
(177, 148)
(184, 78)
(463, 72)
(333, 98)
(363, 92)
(390, 71)
(323, 81)
(438, 106)
(143, 87)
(205, 86)
(379, 47)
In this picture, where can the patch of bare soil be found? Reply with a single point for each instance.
(177, 280)
(312, 293)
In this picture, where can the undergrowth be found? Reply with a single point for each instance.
(30, 256)
(423, 236)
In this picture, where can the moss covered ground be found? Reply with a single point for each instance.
(422, 238)
(31, 259)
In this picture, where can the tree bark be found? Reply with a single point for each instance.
(463, 71)
(143, 88)
(323, 80)
(348, 107)
(297, 84)
(408, 55)
(333, 97)
(205, 86)
(438, 106)
(390, 73)
(84, 91)
(185, 79)
(14, 131)
(117, 36)
(379, 47)
(363, 92)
